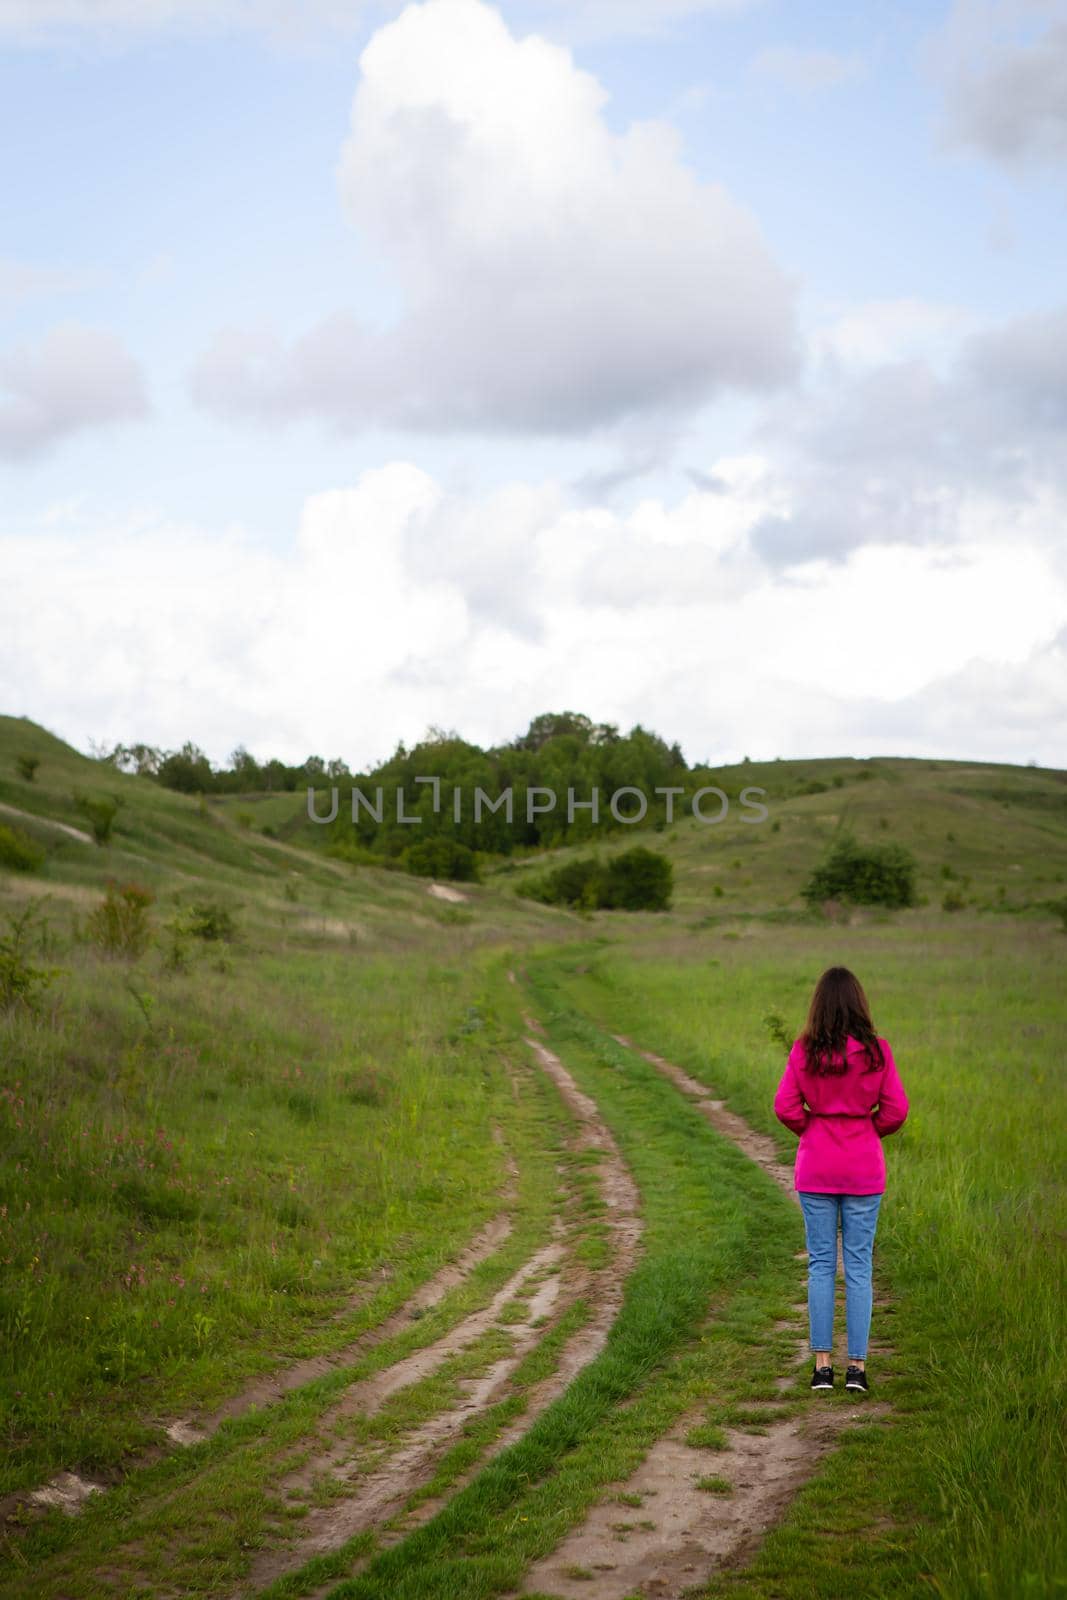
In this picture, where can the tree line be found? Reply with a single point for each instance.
(558, 750)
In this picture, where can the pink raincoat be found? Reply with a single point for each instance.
(841, 1120)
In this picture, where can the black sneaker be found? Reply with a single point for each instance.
(856, 1378)
(822, 1378)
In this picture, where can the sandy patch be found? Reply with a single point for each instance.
(681, 1532)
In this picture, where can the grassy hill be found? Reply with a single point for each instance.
(183, 848)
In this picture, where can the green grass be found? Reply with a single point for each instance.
(181, 1199)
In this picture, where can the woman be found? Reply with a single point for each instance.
(841, 1092)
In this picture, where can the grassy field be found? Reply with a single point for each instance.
(320, 1144)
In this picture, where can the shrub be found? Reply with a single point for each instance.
(635, 880)
(441, 857)
(19, 852)
(27, 766)
(639, 880)
(21, 983)
(578, 883)
(953, 901)
(775, 1026)
(120, 924)
(872, 874)
(209, 920)
(100, 813)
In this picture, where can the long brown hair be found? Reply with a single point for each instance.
(838, 1011)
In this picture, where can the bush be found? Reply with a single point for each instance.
(100, 813)
(120, 924)
(780, 1034)
(639, 880)
(21, 983)
(873, 874)
(578, 883)
(19, 852)
(440, 858)
(208, 920)
(27, 766)
(636, 880)
(953, 901)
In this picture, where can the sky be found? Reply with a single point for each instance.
(367, 369)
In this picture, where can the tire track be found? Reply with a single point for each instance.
(383, 1489)
(603, 1290)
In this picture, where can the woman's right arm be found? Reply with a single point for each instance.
(789, 1105)
(892, 1101)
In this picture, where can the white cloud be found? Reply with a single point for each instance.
(898, 451)
(1004, 63)
(986, 709)
(557, 275)
(807, 70)
(399, 604)
(73, 378)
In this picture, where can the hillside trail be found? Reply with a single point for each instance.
(47, 822)
(660, 1533)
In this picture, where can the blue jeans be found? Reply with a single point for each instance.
(859, 1218)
